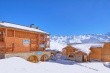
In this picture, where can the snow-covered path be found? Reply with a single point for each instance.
(18, 65)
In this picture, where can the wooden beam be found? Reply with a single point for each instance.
(13, 44)
(5, 37)
(6, 32)
(38, 41)
(14, 33)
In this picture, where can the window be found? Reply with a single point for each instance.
(26, 41)
(42, 45)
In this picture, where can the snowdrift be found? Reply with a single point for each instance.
(18, 65)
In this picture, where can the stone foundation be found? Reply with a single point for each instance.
(26, 55)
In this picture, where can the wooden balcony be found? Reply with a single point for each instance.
(4, 49)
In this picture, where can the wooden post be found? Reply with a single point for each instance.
(13, 44)
(45, 41)
(38, 40)
(30, 43)
(5, 37)
(6, 32)
(14, 33)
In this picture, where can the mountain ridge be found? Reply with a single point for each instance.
(87, 38)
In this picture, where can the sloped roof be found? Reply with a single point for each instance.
(68, 46)
(86, 47)
(11, 25)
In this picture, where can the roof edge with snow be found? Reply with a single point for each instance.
(16, 26)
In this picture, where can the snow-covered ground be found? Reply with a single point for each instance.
(18, 65)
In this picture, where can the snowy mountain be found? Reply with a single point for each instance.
(80, 42)
(88, 38)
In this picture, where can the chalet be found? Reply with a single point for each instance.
(81, 56)
(100, 53)
(26, 42)
(95, 54)
(105, 52)
(74, 54)
(69, 51)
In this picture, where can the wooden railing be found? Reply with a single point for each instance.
(9, 49)
(6, 50)
(2, 50)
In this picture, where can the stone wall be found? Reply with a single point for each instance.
(25, 56)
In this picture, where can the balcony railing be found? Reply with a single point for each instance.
(5, 50)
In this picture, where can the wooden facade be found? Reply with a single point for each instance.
(74, 54)
(81, 56)
(69, 51)
(100, 53)
(18, 40)
(105, 54)
(95, 54)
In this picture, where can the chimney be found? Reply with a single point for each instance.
(37, 27)
(32, 26)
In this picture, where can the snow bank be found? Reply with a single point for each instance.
(107, 64)
(18, 65)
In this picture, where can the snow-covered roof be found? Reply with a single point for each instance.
(11, 25)
(86, 47)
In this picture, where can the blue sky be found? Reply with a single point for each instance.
(59, 17)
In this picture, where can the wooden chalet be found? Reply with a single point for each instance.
(105, 52)
(100, 53)
(81, 56)
(18, 39)
(95, 54)
(74, 54)
(69, 51)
